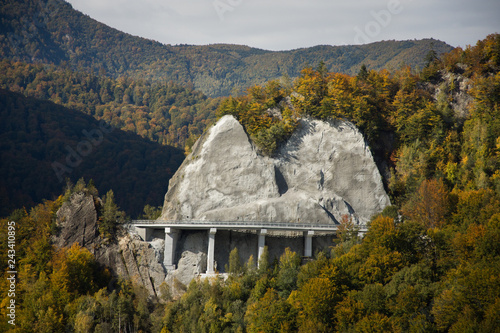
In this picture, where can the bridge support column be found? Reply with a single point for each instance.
(144, 233)
(262, 243)
(211, 251)
(171, 236)
(308, 243)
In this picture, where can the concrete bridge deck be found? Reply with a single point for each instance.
(172, 228)
(237, 225)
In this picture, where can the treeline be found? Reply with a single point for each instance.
(52, 32)
(169, 114)
(406, 274)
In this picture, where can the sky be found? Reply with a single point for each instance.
(291, 24)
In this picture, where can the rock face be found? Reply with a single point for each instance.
(192, 261)
(323, 172)
(456, 89)
(129, 257)
(77, 220)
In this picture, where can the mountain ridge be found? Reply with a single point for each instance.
(51, 31)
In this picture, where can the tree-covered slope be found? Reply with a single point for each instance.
(166, 113)
(51, 31)
(430, 263)
(42, 144)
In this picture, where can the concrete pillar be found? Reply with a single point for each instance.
(144, 233)
(308, 243)
(171, 236)
(262, 242)
(211, 250)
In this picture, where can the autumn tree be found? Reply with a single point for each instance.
(429, 205)
(270, 314)
(235, 266)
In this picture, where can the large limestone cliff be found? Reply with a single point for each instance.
(324, 171)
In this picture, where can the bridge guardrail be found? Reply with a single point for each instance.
(243, 224)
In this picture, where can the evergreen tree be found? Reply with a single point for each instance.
(431, 56)
(111, 216)
(363, 73)
(235, 267)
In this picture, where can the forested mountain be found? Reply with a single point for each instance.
(81, 99)
(51, 31)
(429, 263)
(42, 144)
(167, 113)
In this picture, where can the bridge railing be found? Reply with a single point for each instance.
(240, 224)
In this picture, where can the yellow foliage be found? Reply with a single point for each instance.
(348, 312)
(429, 205)
(315, 302)
(374, 323)
(380, 265)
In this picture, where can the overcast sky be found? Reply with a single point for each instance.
(291, 24)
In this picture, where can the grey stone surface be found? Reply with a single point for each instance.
(191, 259)
(456, 89)
(141, 262)
(324, 171)
(77, 221)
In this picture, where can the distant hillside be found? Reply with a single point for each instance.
(167, 113)
(42, 143)
(51, 31)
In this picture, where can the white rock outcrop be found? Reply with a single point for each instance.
(324, 171)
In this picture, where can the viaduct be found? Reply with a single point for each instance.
(145, 229)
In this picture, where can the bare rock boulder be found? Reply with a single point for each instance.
(77, 221)
(324, 171)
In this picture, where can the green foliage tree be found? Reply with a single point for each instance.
(151, 212)
(288, 270)
(235, 267)
(363, 73)
(111, 216)
(270, 314)
(263, 264)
